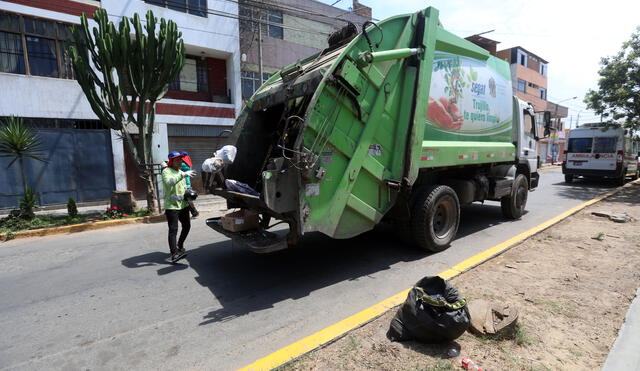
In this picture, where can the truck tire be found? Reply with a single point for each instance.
(514, 204)
(435, 218)
(568, 178)
(636, 175)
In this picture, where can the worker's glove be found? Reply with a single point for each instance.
(164, 164)
(188, 173)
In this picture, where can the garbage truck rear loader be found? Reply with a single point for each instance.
(402, 122)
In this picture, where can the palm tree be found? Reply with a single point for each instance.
(20, 142)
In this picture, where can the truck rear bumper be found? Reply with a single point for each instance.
(258, 240)
(595, 173)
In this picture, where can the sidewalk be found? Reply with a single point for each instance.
(572, 285)
(204, 204)
(625, 353)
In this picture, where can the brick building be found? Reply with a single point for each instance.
(38, 85)
(529, 76)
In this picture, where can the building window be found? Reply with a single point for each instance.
(543, 93)
(269, 20)
(195, 7)
(275, 31)
(34, 46)
(193, 77)
(543, 69)
(522, 86)
(251, 82)
(522, 57)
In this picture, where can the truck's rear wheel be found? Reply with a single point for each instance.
(514, 204)
(435, 218)
(568, 178)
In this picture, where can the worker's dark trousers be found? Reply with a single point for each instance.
(172, 218)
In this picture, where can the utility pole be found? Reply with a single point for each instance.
(260, 45)
(578, 120)
(571, 122)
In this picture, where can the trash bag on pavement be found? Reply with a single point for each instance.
(434, 312)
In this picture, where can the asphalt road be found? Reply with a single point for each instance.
(108, 300)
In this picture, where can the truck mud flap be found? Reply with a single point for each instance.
(258, 240)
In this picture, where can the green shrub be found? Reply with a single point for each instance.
(72, 208)
(28, 203)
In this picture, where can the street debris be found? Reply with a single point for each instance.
(599, 236)
(622, 217)
(492, 319)
(468, 364)
(434, 312)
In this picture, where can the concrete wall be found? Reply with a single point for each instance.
(312, 40)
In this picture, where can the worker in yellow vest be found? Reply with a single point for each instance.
(175, 205)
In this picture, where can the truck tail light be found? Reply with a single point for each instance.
(564, 157)
(619, 158)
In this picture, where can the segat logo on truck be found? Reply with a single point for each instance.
(478, 89)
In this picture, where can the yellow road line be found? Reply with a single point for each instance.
(359, 319)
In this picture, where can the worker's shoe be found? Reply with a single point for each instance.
(181, 250)
(177, 256)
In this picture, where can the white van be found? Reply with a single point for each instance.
(600, 152)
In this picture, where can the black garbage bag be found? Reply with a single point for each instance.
(434, 312)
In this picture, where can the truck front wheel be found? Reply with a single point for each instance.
(513, 205)
(435, 218)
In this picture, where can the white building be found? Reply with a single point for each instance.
(86, 161)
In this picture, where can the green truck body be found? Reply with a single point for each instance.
(358, 133)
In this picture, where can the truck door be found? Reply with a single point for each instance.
(604, 153)
(528, 139)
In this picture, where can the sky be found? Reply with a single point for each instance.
(571, 35)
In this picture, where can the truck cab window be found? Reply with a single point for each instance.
(529, 124)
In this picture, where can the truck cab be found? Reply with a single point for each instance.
(526, 138)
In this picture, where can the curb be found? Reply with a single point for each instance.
(336, 331)
(81, 227)
(544, 168)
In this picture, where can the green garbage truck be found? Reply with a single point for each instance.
(399, 122)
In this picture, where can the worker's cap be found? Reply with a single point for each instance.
(174, 154)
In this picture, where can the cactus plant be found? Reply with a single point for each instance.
(123, 72)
